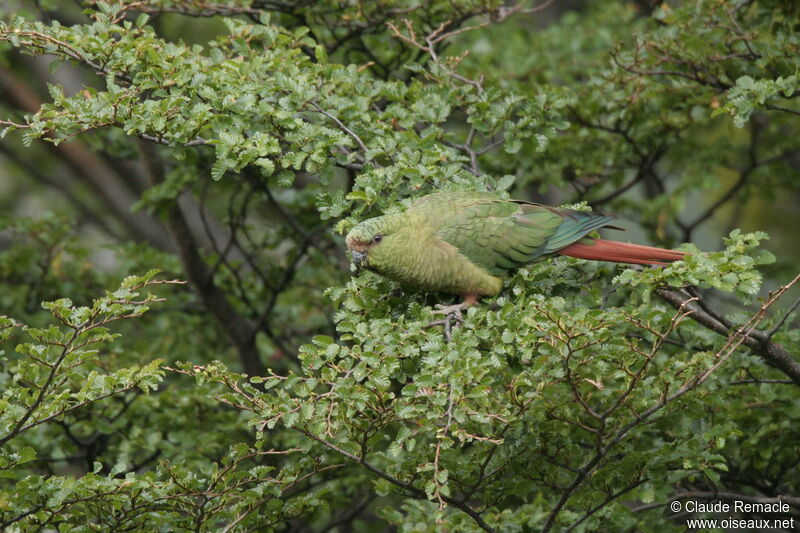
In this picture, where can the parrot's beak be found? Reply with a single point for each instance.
(359, 260)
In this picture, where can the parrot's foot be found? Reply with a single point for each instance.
(452, 315)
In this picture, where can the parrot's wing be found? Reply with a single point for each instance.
(500, 235)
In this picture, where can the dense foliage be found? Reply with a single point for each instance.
(231, 144)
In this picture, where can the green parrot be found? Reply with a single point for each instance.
(464, 243)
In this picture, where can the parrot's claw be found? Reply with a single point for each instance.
(452, 314)
(451, 310)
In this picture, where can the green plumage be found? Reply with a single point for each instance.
(465, 242)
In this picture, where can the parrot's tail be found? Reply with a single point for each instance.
(621, 252)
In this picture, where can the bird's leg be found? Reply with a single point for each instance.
(453, 313)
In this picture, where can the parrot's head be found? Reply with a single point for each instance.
(371, 243)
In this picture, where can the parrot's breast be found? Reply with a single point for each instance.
(432, 265)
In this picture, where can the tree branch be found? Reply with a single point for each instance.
(735, 339)
(419, 493)
(92, 170)
(757, 340)
(215, 300)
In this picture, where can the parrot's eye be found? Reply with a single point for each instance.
(377, 238)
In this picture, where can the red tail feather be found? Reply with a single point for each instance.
(621, 252)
